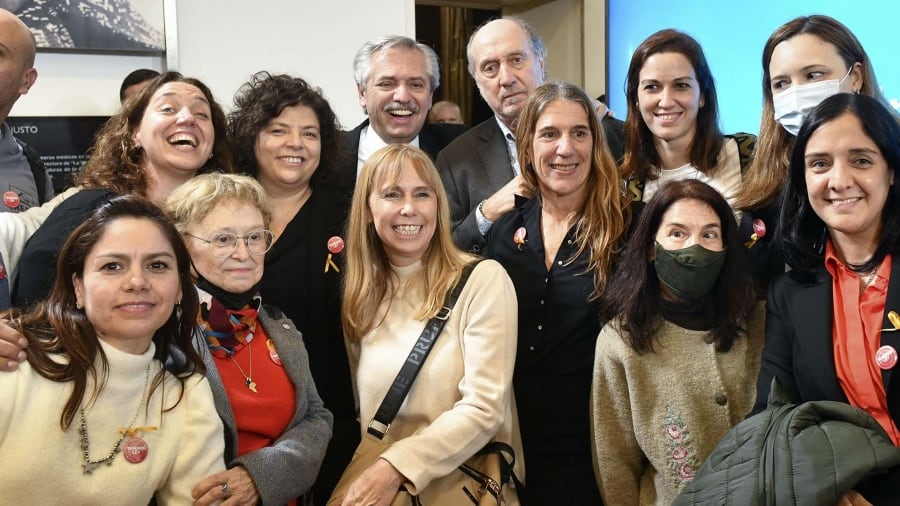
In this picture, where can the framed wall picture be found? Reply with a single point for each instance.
(94, 25)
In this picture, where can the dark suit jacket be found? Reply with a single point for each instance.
(799, 346)
(477, 164)
(432, 139)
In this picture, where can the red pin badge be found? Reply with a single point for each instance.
(759, 228)
(135, 450)
(273, 355)
(11, 199)
(335, 245)
(886, 357)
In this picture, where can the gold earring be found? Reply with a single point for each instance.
(79, 305)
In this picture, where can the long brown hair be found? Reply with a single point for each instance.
(115, 160)
(606, 213)
(640, 148)
(57, 328)
(769, 167)
(368, 279)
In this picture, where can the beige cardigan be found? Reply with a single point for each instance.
(463, 396)
(657, 416)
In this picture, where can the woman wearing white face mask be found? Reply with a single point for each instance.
(805, 61)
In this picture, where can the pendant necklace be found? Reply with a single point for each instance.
(89, 464)
(867, 280)
(248, 378)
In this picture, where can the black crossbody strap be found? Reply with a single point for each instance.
(390, 406)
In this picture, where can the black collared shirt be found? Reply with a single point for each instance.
(558, 329)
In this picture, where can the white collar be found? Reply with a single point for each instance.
(370, 142)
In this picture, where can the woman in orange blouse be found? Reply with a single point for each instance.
(830, 331)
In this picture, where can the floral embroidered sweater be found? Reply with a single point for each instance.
(657, 416)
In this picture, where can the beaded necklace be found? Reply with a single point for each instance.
(89, 464)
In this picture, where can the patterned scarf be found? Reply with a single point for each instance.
(226, 330)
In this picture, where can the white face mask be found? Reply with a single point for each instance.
(794, 104)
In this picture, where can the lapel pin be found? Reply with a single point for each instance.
(519, 237)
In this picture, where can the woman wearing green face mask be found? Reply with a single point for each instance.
(675, 366)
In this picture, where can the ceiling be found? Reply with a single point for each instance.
(484, 4)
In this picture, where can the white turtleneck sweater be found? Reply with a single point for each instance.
(43, 463)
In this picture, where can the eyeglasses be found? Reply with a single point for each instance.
(223, 244)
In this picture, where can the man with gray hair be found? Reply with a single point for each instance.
(480, 169)
(396, 78)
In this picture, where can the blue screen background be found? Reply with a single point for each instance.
(732, 35)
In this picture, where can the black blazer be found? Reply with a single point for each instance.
(799, 347)
(432, 139)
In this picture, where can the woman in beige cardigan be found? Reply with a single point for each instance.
(675, 366)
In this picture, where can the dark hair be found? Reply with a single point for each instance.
(135, 77)
(634, 292)
(769, 167)
(640, 148)
(57, 327)
(263, 98)
(115, 160)
(800, 228)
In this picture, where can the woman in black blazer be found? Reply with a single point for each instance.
(284, 133)
(830, 331)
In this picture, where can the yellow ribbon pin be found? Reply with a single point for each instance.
(329, 263)
(894, 318)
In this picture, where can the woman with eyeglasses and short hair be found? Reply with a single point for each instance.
(276, 426)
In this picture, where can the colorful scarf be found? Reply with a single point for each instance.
(226, 330)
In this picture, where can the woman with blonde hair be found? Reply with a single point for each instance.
(558, 248)
(401, 262)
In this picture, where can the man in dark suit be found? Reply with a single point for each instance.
(396, 78)
(480, 170)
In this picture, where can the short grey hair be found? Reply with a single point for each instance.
(537, 45)
(362, 62)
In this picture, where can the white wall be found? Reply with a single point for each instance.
(559, 24)
(223, 42)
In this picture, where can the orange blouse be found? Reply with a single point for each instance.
(856, 333)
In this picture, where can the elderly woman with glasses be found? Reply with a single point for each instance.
(276, 427)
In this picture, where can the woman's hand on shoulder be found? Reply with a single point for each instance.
(234, 487)
(12, 347)
(377, 486)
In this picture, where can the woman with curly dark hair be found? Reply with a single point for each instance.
(169, 132)
(675, 365)
(284, 133)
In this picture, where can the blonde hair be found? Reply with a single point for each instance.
(603, 219)
(193, 201)
(369, 279)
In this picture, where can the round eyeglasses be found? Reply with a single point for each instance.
(223, 244)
